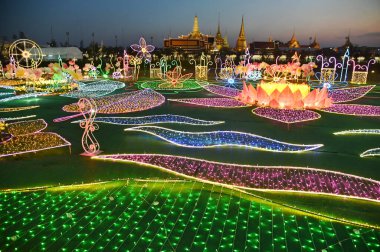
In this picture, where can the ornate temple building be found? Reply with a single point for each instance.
(195, 41)
(315, 44)
(348, 43)
(220, 42)
(293, 42)
(241, 43)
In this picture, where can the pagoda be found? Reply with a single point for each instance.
(241, 43)
(220, 42)
(293, 43)
(315, 44)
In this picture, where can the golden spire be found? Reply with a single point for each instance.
(241, 43)
(218, 32)
(195, 32)
(242, 33)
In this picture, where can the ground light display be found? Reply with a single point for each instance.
(193, 142)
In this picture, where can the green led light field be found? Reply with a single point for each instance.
(143, 215)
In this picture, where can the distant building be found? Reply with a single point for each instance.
(195, 41)
(241, 43)
(262, 46)
(293, 42)
(294, 45)
(220, 42)
(315, 44)
(66, 53)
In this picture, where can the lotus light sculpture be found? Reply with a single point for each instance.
(287, 96)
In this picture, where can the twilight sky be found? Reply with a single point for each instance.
(330, 20)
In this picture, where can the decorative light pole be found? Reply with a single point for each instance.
(88, 109)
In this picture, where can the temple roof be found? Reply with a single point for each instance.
(315, 44)
(293, 43)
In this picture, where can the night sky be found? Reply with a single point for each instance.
(330, 20)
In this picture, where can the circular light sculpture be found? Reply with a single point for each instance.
(26, 53)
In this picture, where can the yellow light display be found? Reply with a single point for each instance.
(270, 87)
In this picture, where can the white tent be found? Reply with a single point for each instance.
(66, 53)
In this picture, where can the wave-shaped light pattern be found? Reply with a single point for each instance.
(154, 119)
(371, 153)
(212, 102)
(359, 132)
(222, 90)
(272, 178)
(353, 109)
(222, 138)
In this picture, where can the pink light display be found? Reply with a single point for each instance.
(143, 50)
(212, 102)
(222, 90)
(349, 94)
(286, 115)
(88, 110)
(354, 109)
(265, 178)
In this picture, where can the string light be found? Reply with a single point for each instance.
(88, 109)
(188, 215)
(95, 89)
(285, 95)
(286, 115)
(212, 102)
(124, 103)
(16, 118)
(143, 50)
(359, 132)
(32, 143)
(5, 94)
(222, 90)
(186, 85)
(26, 137)
(222, 138)
(353, 109)
(19, 97)
(26, 127)
(371, 153)
(17, 109)
(153, 119)
(173, 79)
(349, 94)
(263, 178)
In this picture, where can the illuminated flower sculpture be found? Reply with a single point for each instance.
(285, 95)
(173, 79)
(143, 50)
(287, 102)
